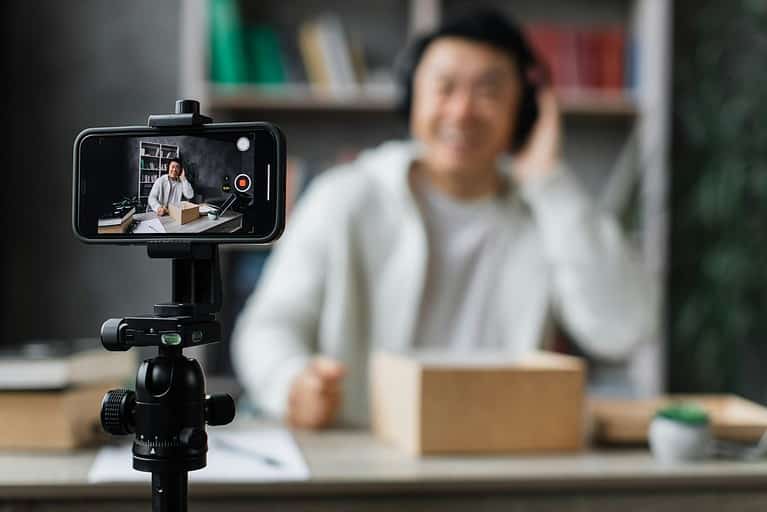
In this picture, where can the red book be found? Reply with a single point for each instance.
(546, 43)
(588, 51)
(569, 58)
(613, 50)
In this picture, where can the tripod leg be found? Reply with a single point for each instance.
(169, 492)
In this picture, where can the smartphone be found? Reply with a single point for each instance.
(217, 183)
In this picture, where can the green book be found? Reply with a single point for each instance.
(265, 56)
(227, 49)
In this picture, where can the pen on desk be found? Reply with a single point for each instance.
(232, 447)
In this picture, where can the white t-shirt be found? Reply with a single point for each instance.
(466, 247)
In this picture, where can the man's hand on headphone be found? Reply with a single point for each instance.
(541, 154)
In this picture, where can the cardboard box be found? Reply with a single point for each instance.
(478, 403)
(184, 211)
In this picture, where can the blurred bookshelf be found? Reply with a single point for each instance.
(609, 60)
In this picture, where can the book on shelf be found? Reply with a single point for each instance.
(62, 364)
(290, 56)
(583, 58)
(336, 53)
(322, 53)
(227, 49)
(265, 64)
(332, 62)
(319, 52)
(311, 53)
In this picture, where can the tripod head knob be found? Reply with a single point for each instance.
(112, 335)
(117, 412)
(219, 409)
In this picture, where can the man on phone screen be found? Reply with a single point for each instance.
(471, 235)
(171, 188)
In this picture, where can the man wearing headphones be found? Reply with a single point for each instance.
(170, 188)
(467, 237)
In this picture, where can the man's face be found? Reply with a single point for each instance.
(465, 95)
(174, 170)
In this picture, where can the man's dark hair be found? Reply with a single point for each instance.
(491, 28)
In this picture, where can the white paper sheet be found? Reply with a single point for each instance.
(265, 455)
(149, 226)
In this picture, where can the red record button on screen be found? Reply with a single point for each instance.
(242, 183)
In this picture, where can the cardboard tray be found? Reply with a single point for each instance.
(621, 421)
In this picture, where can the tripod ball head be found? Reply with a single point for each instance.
(168, 413)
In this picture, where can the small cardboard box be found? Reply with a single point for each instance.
(480, 403)
(184, 211)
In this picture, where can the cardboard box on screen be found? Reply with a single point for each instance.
(428, 403)
(184, 211)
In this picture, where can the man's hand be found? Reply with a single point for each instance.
(540, 155)
(182, 176)
(315, 396)
(161, 211)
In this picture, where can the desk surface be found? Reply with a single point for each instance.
(354, 463)
(229, 222)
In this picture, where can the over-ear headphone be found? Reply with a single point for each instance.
(488, 27)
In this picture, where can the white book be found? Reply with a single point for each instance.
(61, 364)
(336, 54)
(116, 221)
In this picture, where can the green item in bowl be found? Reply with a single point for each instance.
(689, 414)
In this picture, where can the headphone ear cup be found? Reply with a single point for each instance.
(405, 65)
(404, 71)
(527, 115)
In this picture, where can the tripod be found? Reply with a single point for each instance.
(169, 409)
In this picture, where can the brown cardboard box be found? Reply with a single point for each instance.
(184, 211)
(428, 404)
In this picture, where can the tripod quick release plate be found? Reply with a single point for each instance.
(119, 334)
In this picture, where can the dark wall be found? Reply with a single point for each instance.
(205, 161)
(71, 65)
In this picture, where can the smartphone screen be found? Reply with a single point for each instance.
(221, 182)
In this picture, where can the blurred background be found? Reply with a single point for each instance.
(662, 104)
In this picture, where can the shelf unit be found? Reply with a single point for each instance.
(636, 119)
(304, 98)
(152, 163)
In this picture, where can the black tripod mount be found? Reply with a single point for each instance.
(169, 409)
